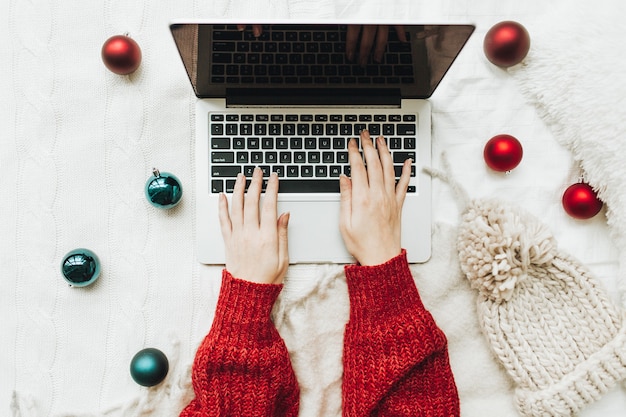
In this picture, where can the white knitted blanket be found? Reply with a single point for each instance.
(78, 144)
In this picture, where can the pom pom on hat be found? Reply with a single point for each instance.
(496, 247)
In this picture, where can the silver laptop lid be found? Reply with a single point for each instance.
(306, 64)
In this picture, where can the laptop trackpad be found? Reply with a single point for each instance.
(314, 234)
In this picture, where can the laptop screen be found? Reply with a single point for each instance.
(220, 59)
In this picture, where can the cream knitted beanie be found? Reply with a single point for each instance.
(547, 320)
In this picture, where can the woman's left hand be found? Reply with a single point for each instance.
(255, 239)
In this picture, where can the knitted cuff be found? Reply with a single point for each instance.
(382, 290)
(243, 309)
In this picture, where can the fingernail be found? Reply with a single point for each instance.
(350, 56)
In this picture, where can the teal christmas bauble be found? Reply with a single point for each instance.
(80, 267)
(163, 190)
(149, 367)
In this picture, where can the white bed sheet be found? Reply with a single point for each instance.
(79, 142)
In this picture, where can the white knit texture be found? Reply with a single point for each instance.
(547, 320)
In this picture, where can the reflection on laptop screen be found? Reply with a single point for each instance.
(304, 56)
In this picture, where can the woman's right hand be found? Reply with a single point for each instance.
(371, 202)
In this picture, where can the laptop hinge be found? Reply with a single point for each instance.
(275, 97)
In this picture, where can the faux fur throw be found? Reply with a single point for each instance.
(574, 75)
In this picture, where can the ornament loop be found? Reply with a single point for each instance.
(156, 172)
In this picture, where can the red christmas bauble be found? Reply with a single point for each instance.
(503, 153)
(581, 201)
(506, 44)
(121, 54)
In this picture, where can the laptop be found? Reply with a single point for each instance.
(289, 100)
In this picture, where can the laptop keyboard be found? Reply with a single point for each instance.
(290, 54)
(307, 151)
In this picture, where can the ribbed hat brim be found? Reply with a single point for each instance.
(587, 383)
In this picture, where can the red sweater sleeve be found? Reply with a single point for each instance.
(242, 367)
(395, 357)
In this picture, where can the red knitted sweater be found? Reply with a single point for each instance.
(395, 357)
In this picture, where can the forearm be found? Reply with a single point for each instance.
(395, 356)
(242, 366)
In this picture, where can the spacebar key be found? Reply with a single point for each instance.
(308, 186)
